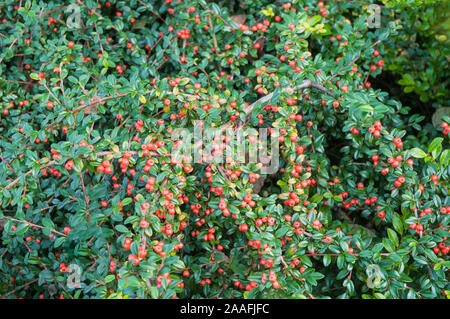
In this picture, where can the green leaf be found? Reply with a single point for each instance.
(59, 241)
(435, 144)
(326, 260)
(417, 153)
(77, 165)
(126, 201)
(109, 278)
(388, 245)
(393, 236)
(445, 158)
(366, 108)
(121, 228)
(397, 223)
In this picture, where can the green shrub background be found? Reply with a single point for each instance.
(331, 223)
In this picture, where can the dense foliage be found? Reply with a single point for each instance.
(91, 95)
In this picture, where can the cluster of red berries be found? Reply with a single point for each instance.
(292, 200)
(323, 11)
(127, 243)
(159, 249)
(184, 34)
(376, 128)
(130, 46)
(445, 210)
(52, 171)
(190, 10)
(297, 169)
(248, 201)
(296, 262)
(167, 229)
(398, 142)
(252, 177)
(56, 155)
(371, 201)
(86, 59)
(69, 165)
(273, 279)
(243, 227)
(138, 125)
(223, 207)
(196, 209)
(150, 184)
(441, 247)
(352, 202)
(161, 277)
(395, 162)
(316, 224)
(51, 20)
(63, 267)
(266, 219)
(135, 259)
(112, 266)
(446, 128)
(205, 281)
(217, 190)
(146, 148)
(257, 27)
(210, 236)
(417, 227)
(85, 144)
(142, 252)
(399, 181)
(380, 64)
(296, 224)
(354, 130)
(119, 68)
(125, 161)
(106, 167)
(434, 179)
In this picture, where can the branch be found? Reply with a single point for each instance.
(33, 225)
(218, 16)
(306, 84)
(86, 199)
(14, 182)
(99, 154)
(103, 100)
(285, 266)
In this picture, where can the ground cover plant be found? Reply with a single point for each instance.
(354, 95)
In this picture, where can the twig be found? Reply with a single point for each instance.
(23, 286)
(51, 93)
(217, 16)
(98, 35)
(295, 276)
(152, 11)
(51, 11)
(34, 225)
(304, 85)
(14, 182)
(86, 199)
(62, 82)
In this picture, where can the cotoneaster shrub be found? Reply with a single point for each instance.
(358, 207)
